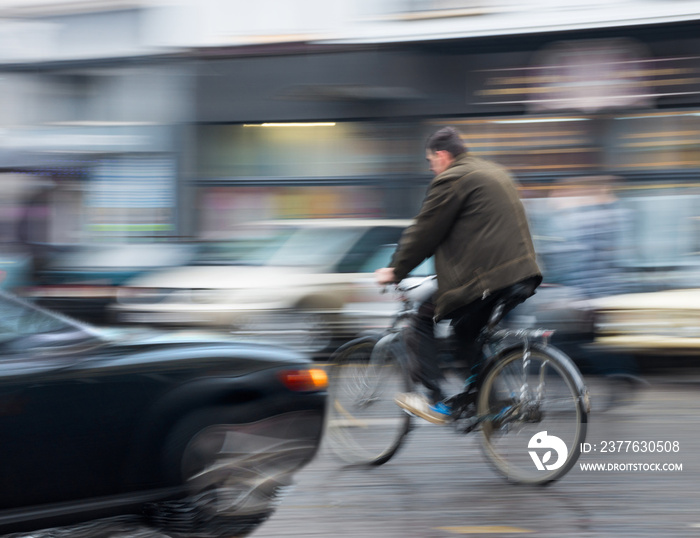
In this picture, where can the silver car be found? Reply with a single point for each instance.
(295, 287)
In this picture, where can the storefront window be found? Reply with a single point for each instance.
(223, 209)
(131, 196)
(532, 145)
(656, 141)
(301, 150)
(537, 146)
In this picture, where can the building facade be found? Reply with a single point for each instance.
(179, 119)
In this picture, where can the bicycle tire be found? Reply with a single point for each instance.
(363, 424)
(526, 407)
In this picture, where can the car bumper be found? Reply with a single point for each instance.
(649, 344)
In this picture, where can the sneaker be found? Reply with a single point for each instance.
(418, 405)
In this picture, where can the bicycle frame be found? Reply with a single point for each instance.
(522, 385)
(495, 343)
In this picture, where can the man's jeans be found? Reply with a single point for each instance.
(467, 322)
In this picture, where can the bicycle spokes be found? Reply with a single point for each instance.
(526, 395)
(363, 424)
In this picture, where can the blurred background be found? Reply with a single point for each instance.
(138, 135)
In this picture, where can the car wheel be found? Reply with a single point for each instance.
(230, 491)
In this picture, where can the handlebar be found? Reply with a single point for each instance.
(411, 283)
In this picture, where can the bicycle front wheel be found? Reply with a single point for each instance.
(364, 426)
(533, 408)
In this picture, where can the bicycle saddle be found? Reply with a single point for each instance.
(511, 297)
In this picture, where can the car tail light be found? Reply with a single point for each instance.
(309, 380)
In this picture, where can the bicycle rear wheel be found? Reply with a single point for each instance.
(364, 426)
(533, 409)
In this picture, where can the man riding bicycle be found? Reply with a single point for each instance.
(473, 221)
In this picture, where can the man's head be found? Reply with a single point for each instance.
(442, 148)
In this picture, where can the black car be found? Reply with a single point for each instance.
(197, 434)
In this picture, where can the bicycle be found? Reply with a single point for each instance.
(527, 395)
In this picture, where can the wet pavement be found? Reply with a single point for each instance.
(439, 485)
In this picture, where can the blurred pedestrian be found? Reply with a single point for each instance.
(474, 222)
(589, 225)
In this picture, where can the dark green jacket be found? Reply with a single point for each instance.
(474, 223)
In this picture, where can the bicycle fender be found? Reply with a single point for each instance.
(371, 338)
(393, 344)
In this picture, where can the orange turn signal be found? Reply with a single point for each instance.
(309, 380)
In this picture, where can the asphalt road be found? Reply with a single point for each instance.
(439, 485)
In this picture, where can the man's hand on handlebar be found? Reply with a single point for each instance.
(385, 276)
